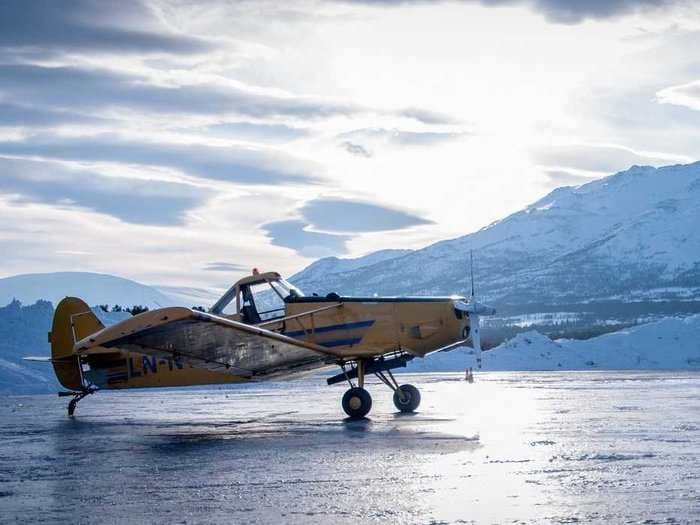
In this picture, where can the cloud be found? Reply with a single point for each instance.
(293, 234)
(90, 94)
(629, 110)
(230, 163)
(258, 132)
(224, 267)
(130, 200)
(348, 216)
(687, 95)
(556, 11)
(574, 12)
(356, 149)
(567, 178)
(423, 138)
(601, 158)
(428, 117)
(48, 27)
(398, 137)
(95, 90)
(27, 116)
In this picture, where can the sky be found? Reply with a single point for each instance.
(184, 143)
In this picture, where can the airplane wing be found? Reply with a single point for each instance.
(211, 342)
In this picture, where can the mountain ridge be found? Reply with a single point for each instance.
(597, 228)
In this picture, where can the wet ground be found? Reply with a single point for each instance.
(512, 447)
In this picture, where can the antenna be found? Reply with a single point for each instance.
(471, 268)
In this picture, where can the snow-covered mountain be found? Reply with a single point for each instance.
(670, 343)
(630, 237)
(320, 269)
(93, 288)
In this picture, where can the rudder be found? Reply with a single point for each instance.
(73, 320)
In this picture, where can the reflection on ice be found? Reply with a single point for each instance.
(524, 447)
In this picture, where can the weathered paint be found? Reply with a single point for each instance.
(134, 370)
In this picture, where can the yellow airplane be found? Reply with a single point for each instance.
(262, 328)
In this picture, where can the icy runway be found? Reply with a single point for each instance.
(512, 447)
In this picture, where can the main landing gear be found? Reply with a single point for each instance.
(357, 402)
(77, 396)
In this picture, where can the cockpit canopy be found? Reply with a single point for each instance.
(256, 298)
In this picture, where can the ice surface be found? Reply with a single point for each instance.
(512, 447)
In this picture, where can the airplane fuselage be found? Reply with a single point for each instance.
(354, 328)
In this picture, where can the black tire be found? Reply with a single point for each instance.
(357, 402)
(408, 399)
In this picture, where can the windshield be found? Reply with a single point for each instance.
(285, 289)
(265, 299)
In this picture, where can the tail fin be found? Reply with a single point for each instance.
(72, 321)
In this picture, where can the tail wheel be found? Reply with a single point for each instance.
(357, 402)
(407, 398)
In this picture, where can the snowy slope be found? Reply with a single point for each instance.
(633, 235)
(670, 343)
(93, 288)
(320, 269)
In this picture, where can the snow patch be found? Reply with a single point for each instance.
(671, 343)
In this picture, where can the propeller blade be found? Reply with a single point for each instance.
(474, 310)
(475, 324)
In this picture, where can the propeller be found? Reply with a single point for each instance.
(474, 310)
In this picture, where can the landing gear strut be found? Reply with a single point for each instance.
(77, 396)
(357, 402)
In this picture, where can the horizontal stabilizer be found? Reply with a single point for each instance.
(39, 359)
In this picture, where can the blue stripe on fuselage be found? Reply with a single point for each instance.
(331, 328)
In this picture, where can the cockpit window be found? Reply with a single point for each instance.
(285, 289)
(263, 301)
(267, 303)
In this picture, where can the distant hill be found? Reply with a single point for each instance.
(93, 288)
